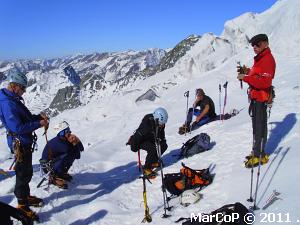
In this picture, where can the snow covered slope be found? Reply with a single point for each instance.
(106, 189)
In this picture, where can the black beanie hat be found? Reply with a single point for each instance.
(257, 38)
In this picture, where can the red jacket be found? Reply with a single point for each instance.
(261, 75)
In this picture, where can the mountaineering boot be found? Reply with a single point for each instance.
(35, 201)
(59, 182)
(185, 128)
(249, 156)
(66, 177)
(253, 161)
(28, 212)
(264, 159)
(150, 174)
(155, 165)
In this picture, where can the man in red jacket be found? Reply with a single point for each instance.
(259, 78)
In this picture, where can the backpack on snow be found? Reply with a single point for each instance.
(220, 214)
(186, 179)
(195, 145)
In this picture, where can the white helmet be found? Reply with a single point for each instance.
(61, 128)
(15, 76)
(189, 197)
(161, 114)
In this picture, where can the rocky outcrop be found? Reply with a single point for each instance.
(66, 98)
(149, 95)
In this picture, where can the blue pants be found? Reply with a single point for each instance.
(63, 163)
(197, 112)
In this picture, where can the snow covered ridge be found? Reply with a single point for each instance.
(100, 74)
(97, 72)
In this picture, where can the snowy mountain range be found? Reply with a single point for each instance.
(117, 89)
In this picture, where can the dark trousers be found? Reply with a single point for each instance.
(258, 111)
(152, 153)
(6, 212)
(63, 163)
(24, 173)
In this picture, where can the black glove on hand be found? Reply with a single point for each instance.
(242, 69)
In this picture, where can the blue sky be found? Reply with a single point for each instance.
(53, 28)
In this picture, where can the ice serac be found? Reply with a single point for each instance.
(281, 23)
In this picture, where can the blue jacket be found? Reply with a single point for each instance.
(17, 119)
(59, 147)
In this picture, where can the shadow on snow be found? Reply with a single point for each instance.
(280, 131)
(106, 182)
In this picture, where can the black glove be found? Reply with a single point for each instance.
(131, 142)
(242, 69)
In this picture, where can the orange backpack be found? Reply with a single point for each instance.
(188, 178)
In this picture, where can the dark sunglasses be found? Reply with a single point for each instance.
(23, 88)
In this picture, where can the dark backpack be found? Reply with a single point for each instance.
(186, 179)
(220, 213)
(195, 145)
(271, 95)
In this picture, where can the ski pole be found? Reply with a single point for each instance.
(220, 93)
(225, 98)
(186, 94)
(158, 150)
(165, 197)
(241, 82)
(196, 92)
(147, 217)
(139, 161)
(45, 177)
(252, 170)
(258, 173)
(13, 163)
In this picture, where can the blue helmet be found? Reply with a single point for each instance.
(161, 114)
(17, 77)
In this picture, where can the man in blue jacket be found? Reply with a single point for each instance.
(20, 124)
(62, 151)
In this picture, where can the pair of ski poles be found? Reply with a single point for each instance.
(255, 207)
